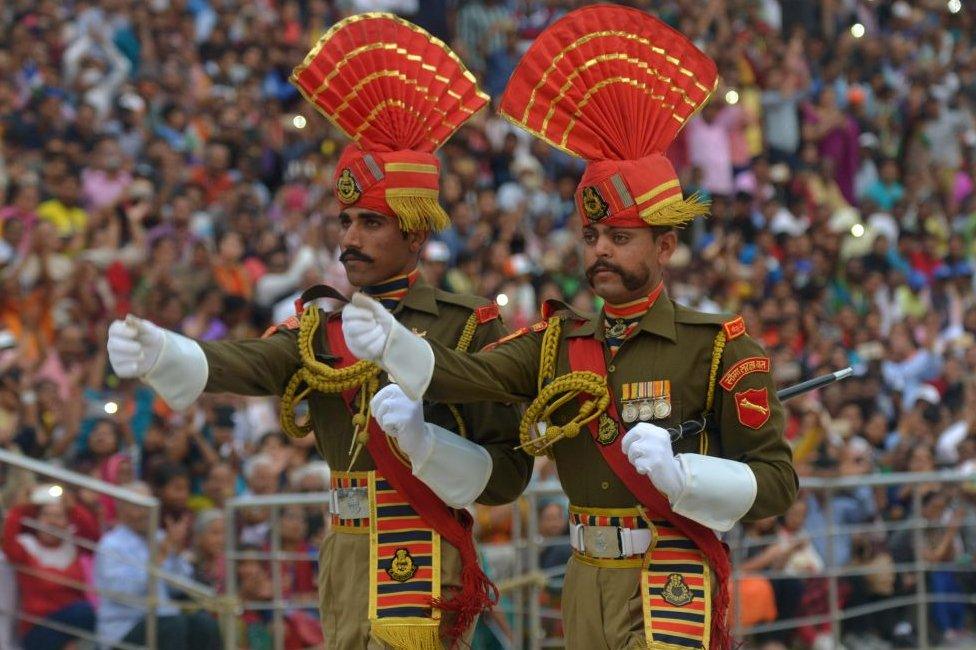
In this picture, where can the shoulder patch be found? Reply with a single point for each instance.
(290, 323)
(553, 307)
(734, 328)
(522, 331)
(460, 299)
(752, 407)
(688, 316)
(486, 313)
(742, 368)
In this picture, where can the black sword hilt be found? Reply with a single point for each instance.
(695, 427)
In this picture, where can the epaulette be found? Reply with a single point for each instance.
(290, 323)
(484, 310)
(734, 328)
(487, 313)
(688, 316)
(522, 331)
(556, 307)
(465, 300)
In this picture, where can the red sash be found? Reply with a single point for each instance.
(477, 591)
(586, 353)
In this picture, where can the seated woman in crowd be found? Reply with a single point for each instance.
(50, 576)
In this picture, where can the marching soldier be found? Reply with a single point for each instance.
(614, 86)
(398, 567)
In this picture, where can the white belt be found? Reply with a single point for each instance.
(349, 503)
(609, 542)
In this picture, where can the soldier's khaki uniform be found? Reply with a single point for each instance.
(264, 367)
(601, 599)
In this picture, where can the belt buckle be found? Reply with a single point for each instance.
(602, 542)
(352, 503)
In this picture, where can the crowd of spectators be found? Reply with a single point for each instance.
(154, 159)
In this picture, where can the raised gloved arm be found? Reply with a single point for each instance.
(173, 365)
(455, 469)
(373, 334)
(715, 492)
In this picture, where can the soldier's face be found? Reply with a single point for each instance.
(623, 264)
(374, 248)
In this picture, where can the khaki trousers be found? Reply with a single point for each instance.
(344, 590)
(602, 607)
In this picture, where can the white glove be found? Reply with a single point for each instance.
(174, 365)
(133, 346)
(648, 447)
(373, 334)
(715, 492)
(403, 418)
(366, 325)
(455, 469)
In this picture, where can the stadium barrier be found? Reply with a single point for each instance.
(200, 596)
(528, 591)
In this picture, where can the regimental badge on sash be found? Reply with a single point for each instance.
(676, 592)
(645, 401)
(402, 567)
(608, 431)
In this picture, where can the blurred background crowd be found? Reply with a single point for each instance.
(154, 159)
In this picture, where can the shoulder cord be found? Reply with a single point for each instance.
(467, 335)
(315, 375)
(717, 349)
(554, 392)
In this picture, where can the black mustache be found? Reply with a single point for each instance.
(354, 254)
(603, 266)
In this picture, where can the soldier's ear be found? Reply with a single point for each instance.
(665, 245)
(416, 240)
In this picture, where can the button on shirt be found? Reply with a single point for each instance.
(121, 566)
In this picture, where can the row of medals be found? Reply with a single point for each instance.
(656, 408)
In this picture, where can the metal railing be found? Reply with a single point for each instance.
(530, 619)
(278, 604)
(524, 587)
(199, 593)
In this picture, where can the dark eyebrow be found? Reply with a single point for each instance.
(363, 215)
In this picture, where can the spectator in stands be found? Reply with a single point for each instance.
(942, 545)
(263, 474)
(121, 568)
(217, 487)
(50, 576)
(207, 555)
(171, 485)
(849, 506)
(298, 574)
